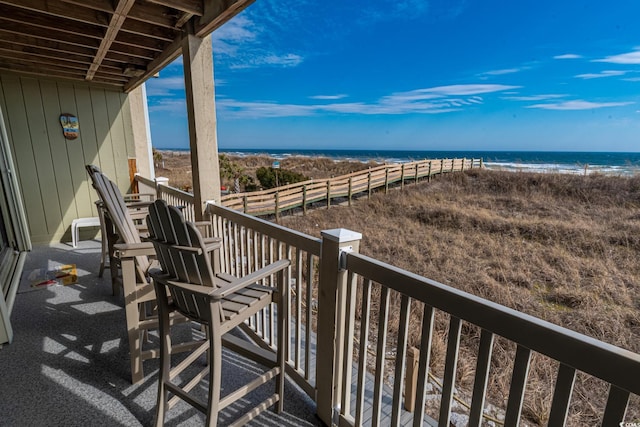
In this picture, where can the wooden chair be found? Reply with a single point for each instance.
(188, 284)
(136, 203)
(130, 259)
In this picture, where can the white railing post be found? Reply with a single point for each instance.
(332, 307)
(160, 180)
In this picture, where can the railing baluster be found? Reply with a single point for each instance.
(483, 364)
(265, 242)
(518, 385)
(401, 352)
(616, 407)
(288, 353)
(423, 364)
(383, 320)
(453, 347)
(347, 361)
(308, 324)
(243, 250)
(298, 311)
(364, 341)
(562, 395)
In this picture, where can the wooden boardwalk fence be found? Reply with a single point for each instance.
(302, 194)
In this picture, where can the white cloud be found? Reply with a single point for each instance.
(328, 97)
(568, 56)
(541, 97)
(632, 79)
(243, 43)
(163, 86)
(623, 58)
(176, 106)
(436, 100)
(579, 105)
(606, 73)
(468, 89)
(501, 72)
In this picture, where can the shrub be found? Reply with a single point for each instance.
(271, 178)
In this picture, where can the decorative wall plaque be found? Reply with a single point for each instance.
(70, 127)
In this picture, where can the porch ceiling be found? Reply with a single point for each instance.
(119, 43)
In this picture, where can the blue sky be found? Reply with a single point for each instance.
(419, 75)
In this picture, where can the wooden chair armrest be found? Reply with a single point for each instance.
(249, 279)
(212, 243)
(128, 250)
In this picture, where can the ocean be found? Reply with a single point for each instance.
(611, 163)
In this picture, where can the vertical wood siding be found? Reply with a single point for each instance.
(50, 168)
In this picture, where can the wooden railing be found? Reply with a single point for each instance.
(249, 244)
(173, 196)
(300, 195)
(471, 319)
(332, 292)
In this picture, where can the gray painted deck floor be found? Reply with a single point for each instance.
(68, 364)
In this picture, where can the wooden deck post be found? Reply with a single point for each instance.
(429, 172)
(304, 199)
(350, 188)
(201, 113)
(402, 177)
(160, 180)
(386, 180)
(418, 170)
(411, 381)
(141, 134)
(328, 194)
(332, 298)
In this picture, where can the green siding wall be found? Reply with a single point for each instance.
(50, 168)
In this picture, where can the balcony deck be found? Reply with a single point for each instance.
(69, 363)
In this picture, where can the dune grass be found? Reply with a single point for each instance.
(563, 248)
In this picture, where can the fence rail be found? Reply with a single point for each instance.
(300, 195)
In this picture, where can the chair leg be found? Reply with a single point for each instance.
(283, 338)
(104, 244)
(133, 319)
(215, 374)
(165, 367)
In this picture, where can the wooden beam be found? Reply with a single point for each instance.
(141, 11)
(61, 10)
(217, 12)
(42, 33)
(83, 14)
(29, 52)
(61, 25)
(118, 17)
(166, 57)
(193, 7)
(39, 59)
(55, 47)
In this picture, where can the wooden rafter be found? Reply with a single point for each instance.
(120, 43)
(117, 19)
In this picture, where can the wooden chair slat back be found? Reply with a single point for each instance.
(184, 252)
(156, 232)
(112, 199)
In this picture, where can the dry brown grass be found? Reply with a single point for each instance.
(560, 247)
